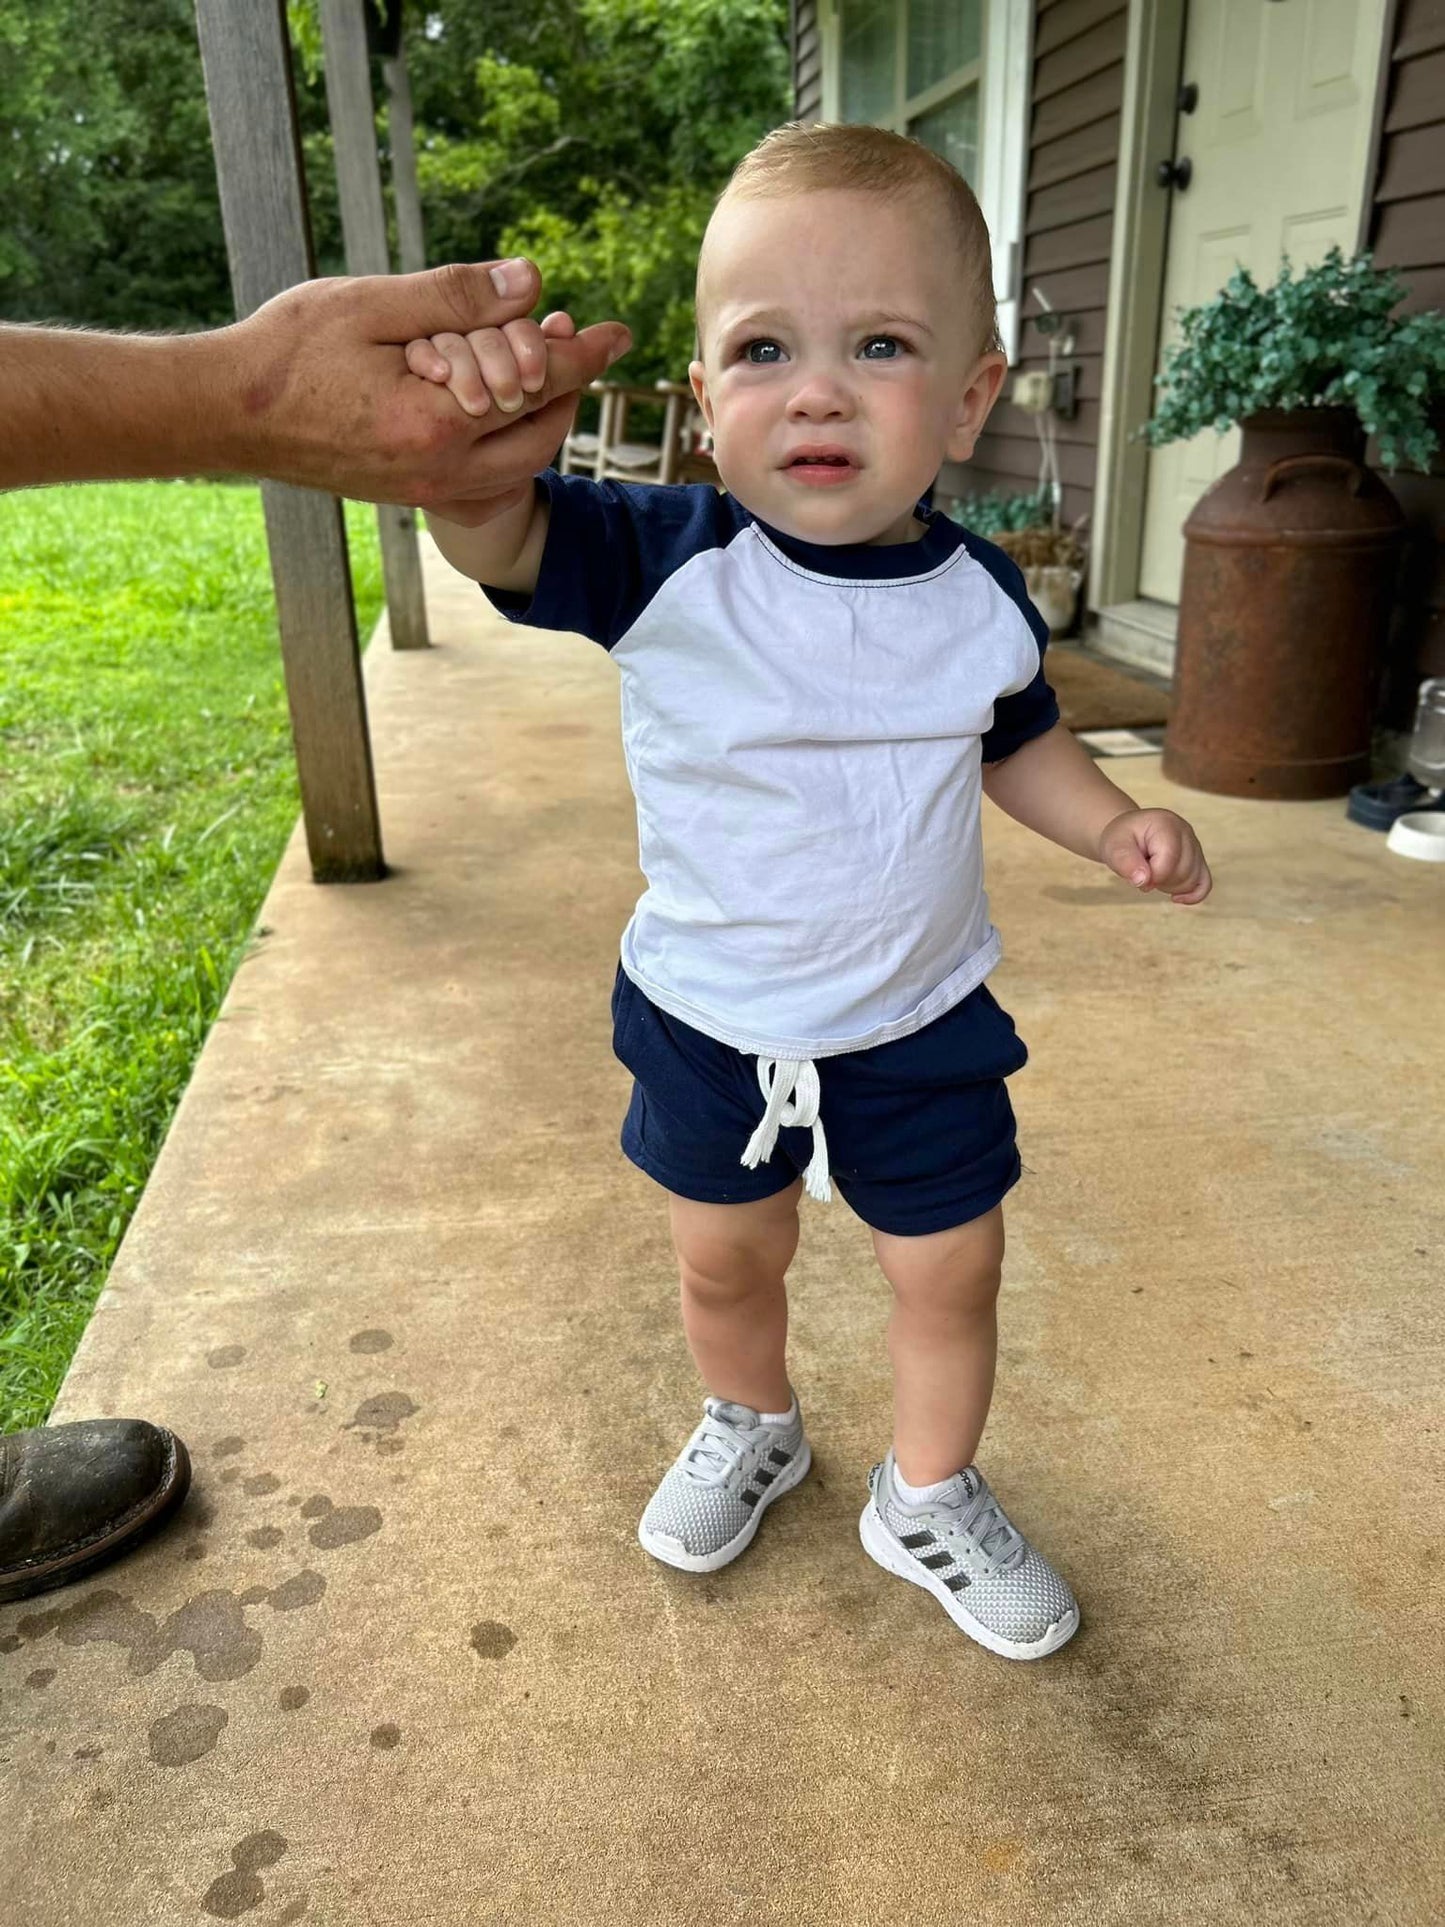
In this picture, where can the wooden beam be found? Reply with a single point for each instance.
(363, 228)
(246, 58)
(410, 235)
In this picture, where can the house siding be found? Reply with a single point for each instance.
(1076, 94)
(1405, 229)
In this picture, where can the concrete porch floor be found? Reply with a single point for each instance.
(401, 1656)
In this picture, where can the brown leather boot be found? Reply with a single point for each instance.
(74, 1497)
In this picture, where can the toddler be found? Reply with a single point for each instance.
(820, 674)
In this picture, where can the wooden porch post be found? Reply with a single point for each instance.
(246, 57)
(363, 227)
(410, 239)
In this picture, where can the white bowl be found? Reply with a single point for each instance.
(1419, 833)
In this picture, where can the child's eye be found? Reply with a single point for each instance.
(756, 360)
(892, 341)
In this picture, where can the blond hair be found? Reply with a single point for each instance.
(802, 156)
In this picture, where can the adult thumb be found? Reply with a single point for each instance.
(452, 299)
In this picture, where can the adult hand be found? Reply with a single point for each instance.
(329, 402)
(313, 388)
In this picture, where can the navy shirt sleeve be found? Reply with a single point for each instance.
(1033, 711)
(610, 547)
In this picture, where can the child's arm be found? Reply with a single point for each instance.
(1053, 786)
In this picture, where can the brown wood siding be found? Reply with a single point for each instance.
(807, 61)
(1077, 95)
(1405, 229)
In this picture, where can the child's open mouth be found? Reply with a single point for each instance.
(822, 468)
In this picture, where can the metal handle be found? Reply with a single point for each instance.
(1175, 173)
(1293, 463)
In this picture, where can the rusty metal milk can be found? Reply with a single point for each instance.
(1289, 577)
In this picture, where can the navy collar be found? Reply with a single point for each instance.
(870, 561)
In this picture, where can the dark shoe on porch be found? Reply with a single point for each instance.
(74, 1497)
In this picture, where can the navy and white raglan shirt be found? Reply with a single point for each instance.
(803, 727)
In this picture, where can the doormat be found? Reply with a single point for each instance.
(1094, 694)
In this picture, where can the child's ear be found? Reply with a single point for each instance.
(697, 375)
(976, 405)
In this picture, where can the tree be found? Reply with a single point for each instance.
(592, 135)
(111, 212)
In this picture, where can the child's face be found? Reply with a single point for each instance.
(832, 320)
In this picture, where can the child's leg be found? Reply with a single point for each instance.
(943, 1340)
(733, 1258)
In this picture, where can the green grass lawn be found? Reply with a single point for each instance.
(147, 790)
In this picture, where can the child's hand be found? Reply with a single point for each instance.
(504, 364)
(1157, 850)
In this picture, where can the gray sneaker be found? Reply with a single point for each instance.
(708, 1506)
(978, 1566)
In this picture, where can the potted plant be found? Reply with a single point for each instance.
(1323, 341)
(1051, 557)
(1290, 557)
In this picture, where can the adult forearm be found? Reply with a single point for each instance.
(1053, 786)
(80, 407)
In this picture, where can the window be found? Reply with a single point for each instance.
(915, 66)
(953, 74)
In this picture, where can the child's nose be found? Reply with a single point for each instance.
(821, 392)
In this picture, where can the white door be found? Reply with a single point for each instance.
(1277, 144)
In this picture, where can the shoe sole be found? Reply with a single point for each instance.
(671, 1554)
(139, 1523)
(884, 1549)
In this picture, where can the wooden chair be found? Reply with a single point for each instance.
(581, 449)
(682, 455)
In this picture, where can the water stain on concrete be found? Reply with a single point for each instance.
(101, 1796)
(41, 1677)
(227, 1448)
(344, 1525)
(316, 1507)
(302, 1590)
(390, 1445)
(293, 1910)
(194, 1551)
(230, 1475)
(260, 1484)
(10, 1642)
(372, 1341)
(292, 1698)
(492, 1639)
(236, 1893)
(264, 1537)
(187, 1734)
(385, 1737)
(383, 1412)
(225, 1355)
(210, 1627)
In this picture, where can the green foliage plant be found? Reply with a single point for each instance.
(998, 511)
(1325, 340)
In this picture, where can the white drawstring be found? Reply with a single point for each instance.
(791, 1076)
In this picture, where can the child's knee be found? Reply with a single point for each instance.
(945, 1273)
(729, 1250)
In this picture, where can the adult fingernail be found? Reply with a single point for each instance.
(510, 277)
(510, 407)
(618, 353)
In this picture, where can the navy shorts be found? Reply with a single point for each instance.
(920, 1131)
